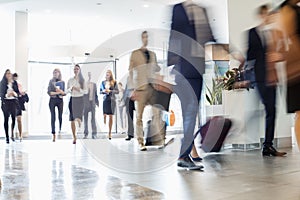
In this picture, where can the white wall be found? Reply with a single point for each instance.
(242, 17)
(7, 40)
(7, 48)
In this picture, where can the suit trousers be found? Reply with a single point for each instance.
(268, 97)
(89, 106)
(129, 112)
(147, 96)
(189, 93)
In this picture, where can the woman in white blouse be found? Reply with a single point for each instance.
(77, 88)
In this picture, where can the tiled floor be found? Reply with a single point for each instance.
(103, 169)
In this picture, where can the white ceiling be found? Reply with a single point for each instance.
(85, 23)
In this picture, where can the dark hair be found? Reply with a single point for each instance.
(144, 32)
(80, 76)
(15, 75)
(262, 8)
(4, 80)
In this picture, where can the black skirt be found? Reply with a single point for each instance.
(293, 98)
(109, 106)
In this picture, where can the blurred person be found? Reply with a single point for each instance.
(56, 91)
(290, 23)
(22, 99)
(121, 106)
(143, 65)
(90, 103)
(190, 31)
(129, 105)
(9, 93)
(77, 88)
(109, 88)
(258, 44)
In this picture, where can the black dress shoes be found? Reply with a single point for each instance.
(187, 163)
(128, 138)
(271, 151)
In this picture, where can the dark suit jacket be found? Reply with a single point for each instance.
(257, 51)
(183, 34)
(3, 89)
(95, 97)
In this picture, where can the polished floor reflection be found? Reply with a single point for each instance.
(40, 169)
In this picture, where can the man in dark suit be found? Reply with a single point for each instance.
(190, 30)
(257, 49)
(90, 102)
(129, 104)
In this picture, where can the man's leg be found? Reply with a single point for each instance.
(60, 113)
(139, 107)
(270, 107)
(129, 106)
(93, 122)
(268, 97)
(189, 100)
(85, 118)
(130, 117)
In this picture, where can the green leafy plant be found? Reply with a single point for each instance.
(220, 83)
(214, 96)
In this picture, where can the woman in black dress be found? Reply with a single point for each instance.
(9, 93)
(109, 89)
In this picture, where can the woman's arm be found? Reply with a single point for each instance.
(50, 89)
(115, 89)
(102, 88)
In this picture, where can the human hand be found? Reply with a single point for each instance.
(76, 88)
(133, 96)
(11, 94)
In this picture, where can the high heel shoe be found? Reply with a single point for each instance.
(53, 137)
(7, 140)
(21, 139)
(12, 139)
(74, 141)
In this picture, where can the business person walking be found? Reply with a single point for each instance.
(109, 88)
(77, 88)
(257, 49)
(56, 91)
(9, 93)
(190, 30)
(90, 103)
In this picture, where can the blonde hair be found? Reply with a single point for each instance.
(58, 70)
(112, 80)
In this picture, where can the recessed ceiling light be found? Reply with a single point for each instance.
(99, 4)
(145, 5)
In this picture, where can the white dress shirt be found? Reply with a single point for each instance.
(9, 90)
(74, 82)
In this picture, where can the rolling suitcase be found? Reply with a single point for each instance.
(213, 133)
